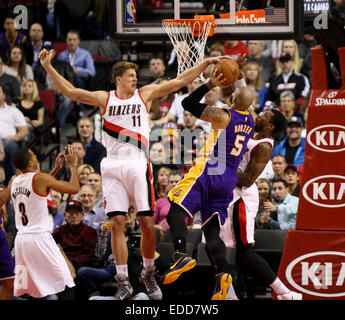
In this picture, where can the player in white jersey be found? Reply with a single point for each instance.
(238, 230)
(41, 269)
(126, 171)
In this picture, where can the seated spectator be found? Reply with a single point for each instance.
(58, 216)
(278, 165)
(292, 147)
(189, 133)
(33, 44)
(95, 151)
(287, 80)
(265, 194)
(290, 46)
(80, 151)
(80, 59)
(157, 157)
(173, 152)
(288, 106)
(176, 111)
(64, 173)
(161, 106)
(13, 130)
(44, 82)
(9, 37)
(217, 49)
(304, 48)
(93, 215)
(267, 68)
(95, 181)
(17, 66)
(234, 47)
(157, 70)
(161, 185)
(77, 239)
(292, 178)
(163, 205)
(83, 173)
(31, 107)
(252, 76)
(9, 84)
(286, 207)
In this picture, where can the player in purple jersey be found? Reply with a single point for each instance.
(6, 260)
(208, 186)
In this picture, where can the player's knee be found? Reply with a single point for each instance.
(117, 223)
(146, 224)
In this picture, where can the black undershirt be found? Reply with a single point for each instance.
(290, 153)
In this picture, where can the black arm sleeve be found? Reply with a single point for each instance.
(192, 102)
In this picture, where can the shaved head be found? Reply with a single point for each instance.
(243, 98)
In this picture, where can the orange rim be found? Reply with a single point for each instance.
(197, 23)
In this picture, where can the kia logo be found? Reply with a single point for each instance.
(325, 191)
(318, 271)
(327, 138)
(332, 94)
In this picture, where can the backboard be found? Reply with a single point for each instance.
(141, 20)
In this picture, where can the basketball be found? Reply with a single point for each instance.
(229, 68)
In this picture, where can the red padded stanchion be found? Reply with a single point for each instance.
(313, 260)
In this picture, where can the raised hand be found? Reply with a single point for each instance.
(46, 56)
(71, 157)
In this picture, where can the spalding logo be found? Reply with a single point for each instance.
(327, 138)
(318, 272)
(325, 191)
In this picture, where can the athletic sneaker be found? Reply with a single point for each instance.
(292, 295)
(223, 282)
(147, 276)
(181, 263)
(124, 290)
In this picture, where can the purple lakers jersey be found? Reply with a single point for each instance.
(232, 142)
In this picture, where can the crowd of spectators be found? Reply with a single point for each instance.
(278, 80)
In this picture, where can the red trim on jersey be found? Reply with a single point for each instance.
(49, 203)
(242, 217)
(147, 109)
(151, 187)
(260, 143)
(124, 98)
(134, 135)
(105, 109)
(33, 188)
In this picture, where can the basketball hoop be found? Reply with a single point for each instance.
(189, 38)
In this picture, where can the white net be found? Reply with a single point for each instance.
(189, 38)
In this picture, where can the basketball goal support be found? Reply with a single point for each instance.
(313, 260)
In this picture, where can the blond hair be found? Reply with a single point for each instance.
(34, 96)
(83, 166)
(258, 81)
(296, 59)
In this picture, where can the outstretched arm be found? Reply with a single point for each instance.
(96, 98)
(155, 91)
(261, 154)
(219, 118)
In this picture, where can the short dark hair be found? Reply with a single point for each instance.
(278, 120)
(21, 158)
(280, 180)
